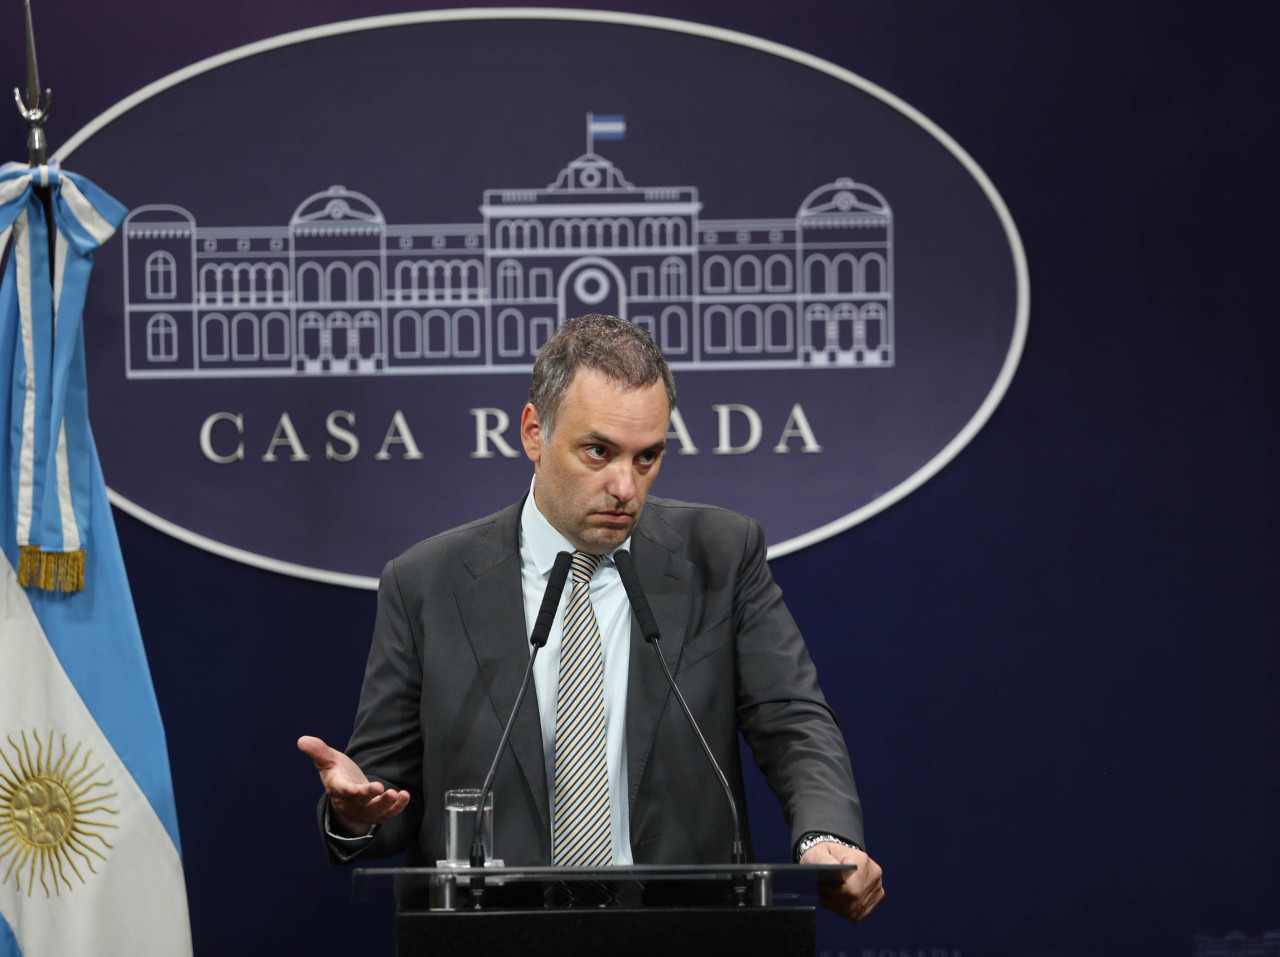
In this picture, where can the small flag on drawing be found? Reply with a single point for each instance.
(606, 126)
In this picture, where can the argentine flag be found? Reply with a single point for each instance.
(606, 126)
(89, 855)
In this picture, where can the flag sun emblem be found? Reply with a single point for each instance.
(50, 814)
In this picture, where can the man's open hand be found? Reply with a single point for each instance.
(357, 802)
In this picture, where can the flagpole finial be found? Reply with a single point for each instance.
(33, 110)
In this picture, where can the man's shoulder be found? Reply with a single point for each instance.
(689, 518)
(461, 542)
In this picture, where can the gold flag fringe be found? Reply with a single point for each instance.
(61, 572)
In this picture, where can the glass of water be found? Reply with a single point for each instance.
(460, 805)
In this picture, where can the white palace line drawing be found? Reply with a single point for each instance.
(340, 291)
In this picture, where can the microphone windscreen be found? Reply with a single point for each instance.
(639, 604)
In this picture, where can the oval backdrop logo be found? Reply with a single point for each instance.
(311, 341)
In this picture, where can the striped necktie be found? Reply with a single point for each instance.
(581, 830)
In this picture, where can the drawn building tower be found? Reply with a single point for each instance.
(338, 256)
(844, 260)
(159, 280)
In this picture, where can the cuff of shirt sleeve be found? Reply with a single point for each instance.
(810, 838)
(346, 847)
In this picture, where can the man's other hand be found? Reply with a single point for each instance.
(860, 890)
(357, 802)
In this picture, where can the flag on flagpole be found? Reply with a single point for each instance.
(89, 853)
(605, 126)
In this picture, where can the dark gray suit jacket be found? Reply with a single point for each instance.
(450, 648)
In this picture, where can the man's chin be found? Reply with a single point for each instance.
(607, 538)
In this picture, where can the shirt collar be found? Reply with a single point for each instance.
(542, 539)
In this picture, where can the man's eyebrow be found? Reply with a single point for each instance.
(595, 438)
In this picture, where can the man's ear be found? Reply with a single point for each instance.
(531, 433)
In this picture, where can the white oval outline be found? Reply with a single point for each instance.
(891, 497)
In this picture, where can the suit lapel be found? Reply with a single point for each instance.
(665, 576)
(492, 610)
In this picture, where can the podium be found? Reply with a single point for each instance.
(689, 910)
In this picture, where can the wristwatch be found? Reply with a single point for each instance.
(812, 838)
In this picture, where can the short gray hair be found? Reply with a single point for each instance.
(620, 350)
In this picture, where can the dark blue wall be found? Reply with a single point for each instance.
(1060, 684)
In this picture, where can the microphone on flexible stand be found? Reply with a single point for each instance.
(541, 630)
(649, 630)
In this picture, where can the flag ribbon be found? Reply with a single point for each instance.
(51, 221)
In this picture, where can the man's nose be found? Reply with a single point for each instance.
(622, 481)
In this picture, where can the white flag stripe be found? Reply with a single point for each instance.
(136, 902)
(27, 455)
(89, 218)
(66, 509)
(11, 188)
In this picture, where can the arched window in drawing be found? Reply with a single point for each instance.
(275, 336)
(162, 276)
(675, 331)
(559, 234)
(777, 329)
(472, 280)
(311, 337)
(213, 337)
(337, 281)
(162, 338)
(366, 282)
(406, 335)
(672, 278)
(717, 331)
(875, 273)
(210, 285)
(873, 316)
(618, 232)
(244, 336)
(437, 334)
(366, 334)
(510, 280)
(310, 283)
(468, 342)
(815, 274)
(845, 316)
(820, 331)
(338, 329)
(777, 274)
(277, 283)
(715, 274)
(845, 270)
(510, 333)
(748, 329)
(746, 274)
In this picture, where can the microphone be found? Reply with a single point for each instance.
(541, 630)
(649, 630)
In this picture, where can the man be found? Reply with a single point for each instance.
(451, 643)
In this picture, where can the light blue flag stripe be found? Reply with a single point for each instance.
(8, 944)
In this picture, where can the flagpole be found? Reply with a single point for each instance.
(590, 117)
(32, 110)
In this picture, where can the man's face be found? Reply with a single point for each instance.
(595, 468)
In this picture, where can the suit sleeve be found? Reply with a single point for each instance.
(387, 740)
(793, 733)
